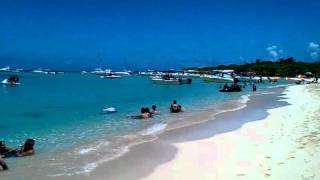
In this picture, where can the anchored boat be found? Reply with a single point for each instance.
(169, 79)
(220, 76)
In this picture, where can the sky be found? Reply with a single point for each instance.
(155, 34)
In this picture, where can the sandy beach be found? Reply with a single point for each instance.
(284, 145)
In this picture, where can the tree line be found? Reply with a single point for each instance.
(288, 67)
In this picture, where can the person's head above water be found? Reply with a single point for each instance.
(174, 101)
(143, 110)
(29, 142)
(2, 144)
(154, 107)
(147, 110)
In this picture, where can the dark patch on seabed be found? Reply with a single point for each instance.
(34, 115)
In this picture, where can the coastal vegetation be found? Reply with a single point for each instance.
(288, 67)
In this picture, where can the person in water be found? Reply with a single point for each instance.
(154, 110)
(4, 149)
(3, 164)
(225, 87)
(145, 113)
(254, 88)
(27, 149)
(175, 108)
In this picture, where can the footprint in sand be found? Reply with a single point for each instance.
(291, 157)
(267, 175)
(268, 157)
(242, 174)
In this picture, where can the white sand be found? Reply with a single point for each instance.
(285, 145)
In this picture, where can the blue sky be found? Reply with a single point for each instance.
(78, 34)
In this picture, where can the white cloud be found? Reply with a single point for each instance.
(274, 52)
(314, 50)
(313, 46)
(314, 55)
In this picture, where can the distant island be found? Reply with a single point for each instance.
(282, 67)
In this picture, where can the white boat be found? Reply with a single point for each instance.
(170, 80)
(149, 73)
(110, 76)
(5, 69)
(220, 76)
(12, 80)
(17, 70)
(99, 71)
(125, 73)
(40, 71)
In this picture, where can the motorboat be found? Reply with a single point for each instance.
(12, 80)
(305, 78)
(17, 70)
(169, 79)
(232, 88)
(5, 69)
(149, 73)
(40, 71)
(219, 76)
(125, 73)
(99, 71)
(110, 76)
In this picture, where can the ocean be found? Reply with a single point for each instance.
(63, 113)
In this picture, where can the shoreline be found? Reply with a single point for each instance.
(143, 158)
(287, 140)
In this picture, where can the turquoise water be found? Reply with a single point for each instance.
(61, 111)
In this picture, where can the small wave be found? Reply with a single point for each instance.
(244, 99)
(92, 148)
(278, 86)
(87, 168)
(153, 129)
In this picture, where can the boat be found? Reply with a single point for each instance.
(40, 71)
(12, 80)
(169, 79)
(125, 73)
(149, 73)
(232, 88)
(219, 76)
(5, 69)
(99, 71)
(17, 70)
(273, 79)
(305, 78)
(110, 76)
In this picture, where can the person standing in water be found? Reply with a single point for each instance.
(254, 88)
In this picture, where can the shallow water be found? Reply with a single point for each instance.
(63, 113)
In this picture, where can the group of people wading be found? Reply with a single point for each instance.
(27, 149)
